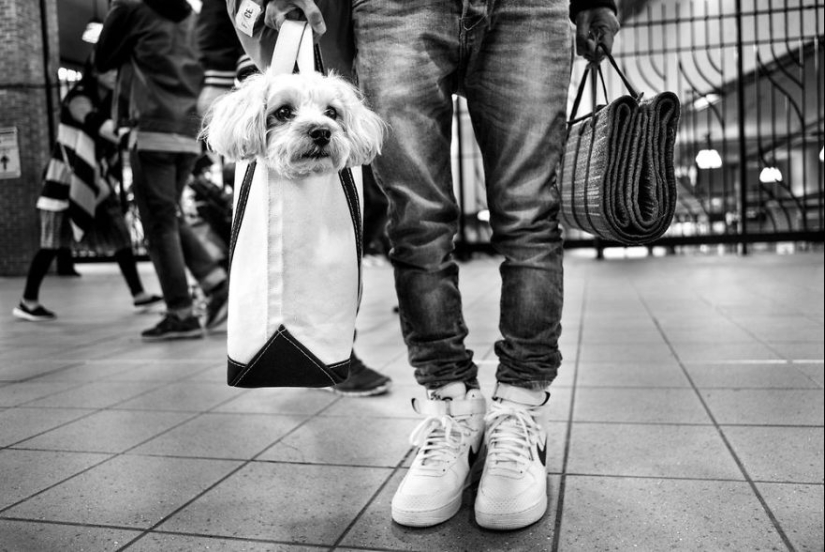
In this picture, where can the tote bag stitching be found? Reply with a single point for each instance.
(282, 331)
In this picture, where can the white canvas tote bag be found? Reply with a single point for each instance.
(295, 264)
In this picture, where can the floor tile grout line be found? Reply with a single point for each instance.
(677, 478)
(226, 538)
(729, 318)
(242, 465)
(398, 467)
(111, 457)
(104, 461)
(557, 522)
(32, 379)
(61, 482)
(774, 521)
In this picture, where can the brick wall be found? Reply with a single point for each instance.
(23, 105)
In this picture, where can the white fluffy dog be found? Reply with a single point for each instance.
(300, 124)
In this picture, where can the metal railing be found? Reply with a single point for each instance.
(748, 155)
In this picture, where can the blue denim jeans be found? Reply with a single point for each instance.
(159, 179)
(511, 59)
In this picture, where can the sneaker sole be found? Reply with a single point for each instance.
(515, 520)
(23, 315)
(177, 335)
(417, 518)
(380, 390)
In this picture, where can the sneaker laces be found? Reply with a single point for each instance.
(511, 434)
(440, 438)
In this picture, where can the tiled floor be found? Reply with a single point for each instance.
(688, 416)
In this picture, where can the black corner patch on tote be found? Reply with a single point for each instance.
(284, 362)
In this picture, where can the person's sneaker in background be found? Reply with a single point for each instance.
(36, 314)
(363, 381)
(146, 300)
(172, 327)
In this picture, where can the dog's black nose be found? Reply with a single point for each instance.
(320, 136)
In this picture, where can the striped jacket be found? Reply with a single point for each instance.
(72, 178)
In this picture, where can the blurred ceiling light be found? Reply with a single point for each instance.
(484, 215)
(92, 31)
(705, 101)
(769, 175)
(708, 159)
(822, 154)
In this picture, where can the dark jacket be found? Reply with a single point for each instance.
(154, 41)
(218, 45)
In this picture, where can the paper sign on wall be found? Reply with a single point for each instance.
(9, 153)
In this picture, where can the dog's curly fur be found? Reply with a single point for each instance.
(299, 124)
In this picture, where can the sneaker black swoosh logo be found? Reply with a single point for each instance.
(472, 456)
(542, 451)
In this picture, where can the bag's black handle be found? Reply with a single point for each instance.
(595, 68)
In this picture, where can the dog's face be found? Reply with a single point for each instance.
(299, 124)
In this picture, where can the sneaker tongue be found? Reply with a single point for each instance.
(450, 391)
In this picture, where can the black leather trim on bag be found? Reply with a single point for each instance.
(286, 361)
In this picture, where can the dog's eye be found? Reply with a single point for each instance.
(284, 113)
(331, 112)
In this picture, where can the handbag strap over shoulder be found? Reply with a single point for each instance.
(593, 69)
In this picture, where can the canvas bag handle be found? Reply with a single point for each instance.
(294, 47)
(593, 69)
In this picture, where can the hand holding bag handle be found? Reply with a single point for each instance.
(593, 69)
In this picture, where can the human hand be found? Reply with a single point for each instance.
(593, 27)
(278, 11)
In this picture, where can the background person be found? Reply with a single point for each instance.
(152, 41)
(78, 199)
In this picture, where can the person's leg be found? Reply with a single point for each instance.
(65, 262)
(30, 307)
(407, 56)
(203, 266)
(516, 85)
(55, 234)
(128, 267)
(207, 270)
(38, 269)
(109, 222)
(156, 195)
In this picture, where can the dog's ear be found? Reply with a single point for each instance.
(235, 125)
(364, 128)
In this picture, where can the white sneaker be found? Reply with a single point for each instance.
(450, 438)
(513, 490)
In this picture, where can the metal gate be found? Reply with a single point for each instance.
(749, 154)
